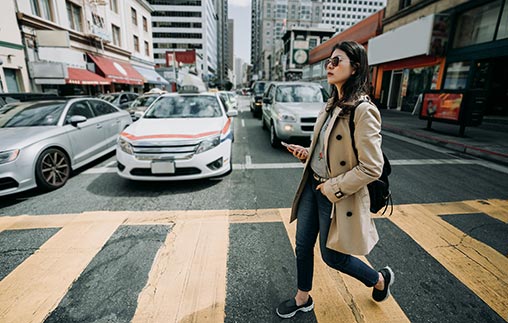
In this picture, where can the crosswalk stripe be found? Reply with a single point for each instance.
(353, 302)
(37, 285)
(188, 278)
(495, 208)
(482, 269)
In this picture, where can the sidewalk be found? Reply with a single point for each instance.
(488, 141)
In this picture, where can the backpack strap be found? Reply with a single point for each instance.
(352, 125)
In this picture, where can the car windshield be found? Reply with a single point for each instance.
(143, 101)
(188, 106)
(32, 115)
(299, 93)
(109, 98)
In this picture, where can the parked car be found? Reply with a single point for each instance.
(43, 141)
(6, 98)
(290, 110)
(139, 106)
(229, 102)
(121, 99)
(256, 100)
(181, 136)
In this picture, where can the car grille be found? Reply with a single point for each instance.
(178, 172)
(176, 150)
(8, 182)
(307, 124)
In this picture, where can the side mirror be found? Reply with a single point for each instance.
(267, 100)
(232, 113)
(75, 120)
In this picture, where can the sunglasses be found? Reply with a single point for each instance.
(335, 61)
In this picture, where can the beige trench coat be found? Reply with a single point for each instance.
(352, 230)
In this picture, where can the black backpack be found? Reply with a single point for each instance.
(379, 190)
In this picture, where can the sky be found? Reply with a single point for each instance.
(239, 11)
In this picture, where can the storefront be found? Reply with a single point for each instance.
(477, 58)
(152, 78)
(405, 71)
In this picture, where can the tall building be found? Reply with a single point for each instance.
(342, 14)
(230, 49)
(256, 39)
(274, 17)
(222, 41)
(181, 25)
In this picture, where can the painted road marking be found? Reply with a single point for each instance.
(249, 165)
(195, 255)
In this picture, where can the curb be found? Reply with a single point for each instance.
(457, 146)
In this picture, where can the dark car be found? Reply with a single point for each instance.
(6, 98)
(256, 101)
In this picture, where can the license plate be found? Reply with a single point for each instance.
(166, 167)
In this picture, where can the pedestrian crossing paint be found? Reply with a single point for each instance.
(187, 279)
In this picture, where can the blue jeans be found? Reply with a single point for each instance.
(314, 217)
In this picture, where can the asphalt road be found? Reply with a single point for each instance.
(259, 269)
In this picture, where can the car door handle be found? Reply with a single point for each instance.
(98, 126)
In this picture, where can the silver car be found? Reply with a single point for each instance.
(41, 142)
(290, 110)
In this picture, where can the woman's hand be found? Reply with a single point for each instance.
(298, 151)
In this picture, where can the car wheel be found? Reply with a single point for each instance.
(52, 169)
(274, 140)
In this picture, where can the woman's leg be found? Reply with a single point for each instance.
(307, 228)
(347, 264)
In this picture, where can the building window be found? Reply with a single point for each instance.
(74, 15)
(456, 75)
(402, 4)
(136, 44)
(145, 24)
(116, 35)
(477, 25)
(134, 16)
(113, 5)
(503, 26)
(147, 49)
(42, 8)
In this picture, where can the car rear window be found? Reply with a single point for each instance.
(299, 93)
(187, 106)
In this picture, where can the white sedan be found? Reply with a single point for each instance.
(181, 136)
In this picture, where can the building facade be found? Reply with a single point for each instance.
(449, 46)
(87, 46)
(13, 71)
(343, 14)
(186, 25)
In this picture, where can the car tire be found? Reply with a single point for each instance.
(274, 140)
(52, 169)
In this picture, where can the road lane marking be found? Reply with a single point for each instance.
(187, 282)
(243, 123)
(483, 270)
(54, 267)
(249, 165)
(479, 267)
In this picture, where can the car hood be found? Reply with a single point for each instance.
(301, 108)
(21, 137)
(173, 129)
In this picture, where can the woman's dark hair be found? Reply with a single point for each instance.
(357, 84)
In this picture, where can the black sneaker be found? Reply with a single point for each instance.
(288, 309)
(381, 295)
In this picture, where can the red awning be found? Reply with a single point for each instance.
(84, 77)
(117, 71)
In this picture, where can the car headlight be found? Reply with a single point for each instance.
(8, 156)
(283, 116)
(125, 146)
(208, 144)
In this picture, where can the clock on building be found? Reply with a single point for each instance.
(300, 56)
